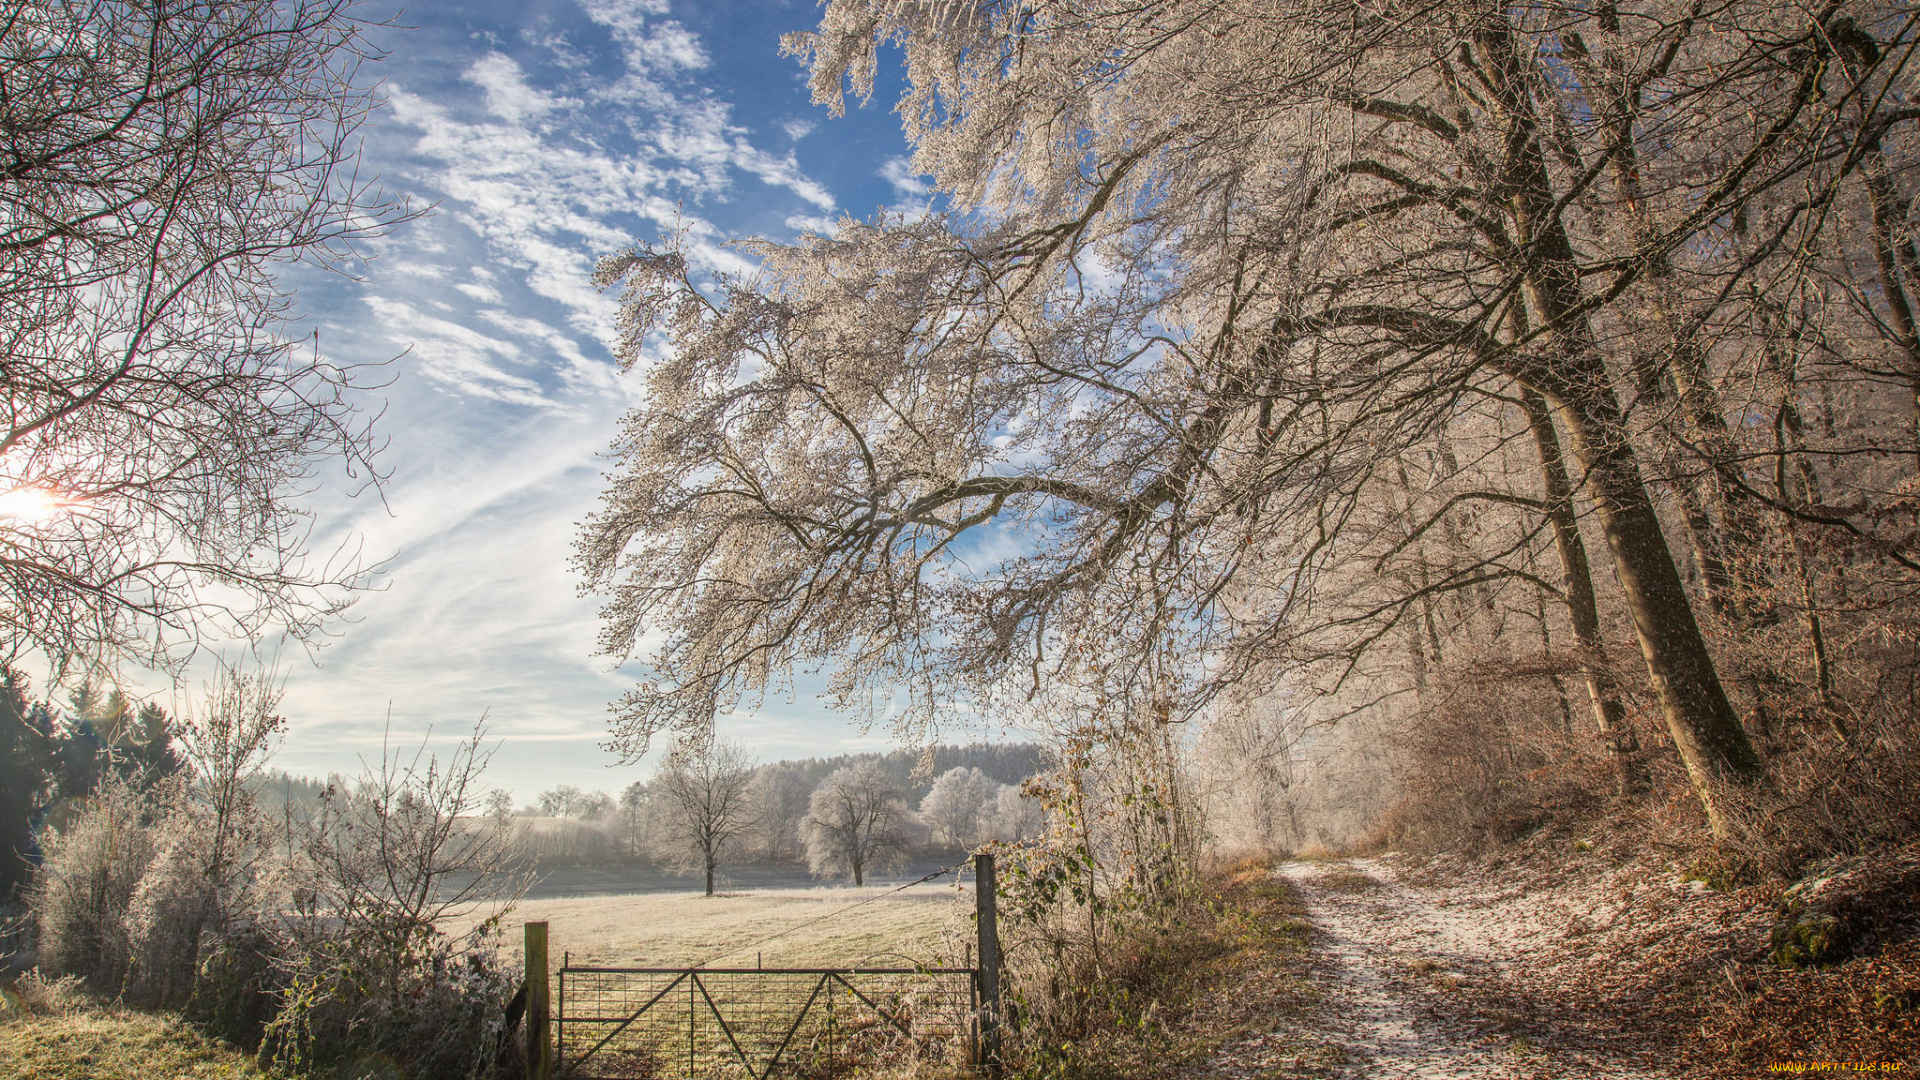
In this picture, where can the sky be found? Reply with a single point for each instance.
(545, 134)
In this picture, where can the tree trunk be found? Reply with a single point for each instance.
(709, 879)
(1573, 376)
(1583, 609)
(1683, 384)
(1712, 744)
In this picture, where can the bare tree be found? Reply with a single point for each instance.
(595, 806)
(709, 807)
(567, 801)
(855, 821)
(388, 859)
(228, 744)
(162, 165)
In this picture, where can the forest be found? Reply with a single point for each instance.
(1374, 456)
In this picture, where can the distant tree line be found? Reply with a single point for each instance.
(845, 816)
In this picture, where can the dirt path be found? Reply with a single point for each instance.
(1427, 983)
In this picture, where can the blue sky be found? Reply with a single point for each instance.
(548, 133)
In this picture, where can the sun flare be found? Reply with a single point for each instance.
(30, 504)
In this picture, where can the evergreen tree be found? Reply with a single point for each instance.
(81, 757)
(26, 778)
(148, 747)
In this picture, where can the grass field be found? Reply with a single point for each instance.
(66, 1035)
(809, 927)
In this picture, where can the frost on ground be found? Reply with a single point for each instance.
(840, 927)
(1487, 978)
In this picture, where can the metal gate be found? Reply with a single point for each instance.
(632, 1023)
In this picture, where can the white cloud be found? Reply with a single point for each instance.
(819, 225)
(780, 172)
(624, 16)
(797, 129)
(547, 197)
(666, 45)
(653, 51)
(457, 355)
(582, 372)
(486, 294)
(480, 612)
(703, 137)
(508, 95)
(415, 268)
(898, 172)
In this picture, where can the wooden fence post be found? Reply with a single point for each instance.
(987, 924)
(539, 1046)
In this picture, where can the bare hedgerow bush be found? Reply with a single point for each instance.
(237, 985)
(86, 886)
(208, 877)
(367, 973)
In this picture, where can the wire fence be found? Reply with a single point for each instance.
(630, 1023)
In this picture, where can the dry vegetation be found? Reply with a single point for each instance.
(1594, 940)
(55, 1030)
(1180, 991)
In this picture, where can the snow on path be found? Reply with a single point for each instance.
(1412, 983)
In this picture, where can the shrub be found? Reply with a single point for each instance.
(1493, 755)
(171, 907)
(85, 889)
(237, 987)
(439, 1011)
(366, 974)
(39, 994)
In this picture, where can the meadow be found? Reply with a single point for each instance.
(819, 926)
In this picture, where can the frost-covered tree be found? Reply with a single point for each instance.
(1011, 816)
(563, 800)
(856, 821)
(953, 807)
(780, 795)
(1224, 288)
(708, 807)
